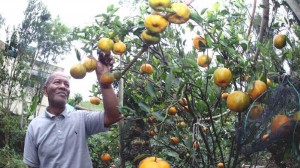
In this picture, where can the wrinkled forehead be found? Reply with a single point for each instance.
(57, 76)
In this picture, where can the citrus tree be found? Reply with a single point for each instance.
(199, 83)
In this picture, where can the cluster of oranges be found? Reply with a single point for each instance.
(164, 13)
(199, 43)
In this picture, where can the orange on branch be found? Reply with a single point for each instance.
(172, 110)
(150, 38)
(182, 101)
(255, 111)
(180, 13)
(146, 68)
(199, 42)
(78, 71)
(258, 88)
(105, 44)
(90, 64)
(159, 5)
(105, 157)
(107, 78)
(224, 96)
(119, 48)
(154, 162)
(222, 77)
(203, 60)
(278, 122)
(279, 41)
(220, 165)
(155, 23)
(265, 137)
(174, 140)
(95, 100)
(238, 101)
(196, 144)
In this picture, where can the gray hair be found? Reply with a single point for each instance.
(50, 76)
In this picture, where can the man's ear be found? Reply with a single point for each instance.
(45, 91)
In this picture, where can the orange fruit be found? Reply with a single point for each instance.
(265, 137)
(159, 5)
(90, 64)
(278, 121)
(107, 78)
(224, 96)
(95, 100)
(181, 13)
(196, 144)
(155, 23)
(199, 42)
(154, 162)
(255, 112)
(78, 71)
(146, 68)
(181, 124)
(182, 101)
(119, 48)
(174, 140)
(105, 44)
(117, 75)
(150, 38)
(203, 60)
(258, 88)
(152, 133)
(238, 101)
(279, 41)
(105, 157)
(222, 77)
(220, 165)
(172, 110)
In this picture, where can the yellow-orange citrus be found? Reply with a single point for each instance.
(269, 82)
(279, 41)
(278, 121)
(95, 100)
(155, 23)
(203, 60)
(199, 42)
(117, 75)
(119, 48)
(297, 116)
(105, 44)
(222, 77)
(150, 38)
(78, 71)
(238, 101)
(146, 68)
(220, 165)
(182, 101)
(174, 140)
(90, 64)
(180, 15)
(105, 157)
(154, 162)
(172, 110)
(159, 5)
(224, 96)
(196, 144)
(258, 88)
(255, 112)
(107, 78)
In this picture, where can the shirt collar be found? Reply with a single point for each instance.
(64, 114)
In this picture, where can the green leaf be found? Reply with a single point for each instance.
(150, 90)
(78, 55)
(144, 107)
(169, 81)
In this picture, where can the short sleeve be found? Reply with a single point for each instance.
(30, 156)
(94, 122)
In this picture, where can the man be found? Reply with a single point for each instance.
(58, 138)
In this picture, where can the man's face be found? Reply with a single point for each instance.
(57, 90)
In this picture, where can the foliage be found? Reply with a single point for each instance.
(10, 159)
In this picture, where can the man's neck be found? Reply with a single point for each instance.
(55, 110)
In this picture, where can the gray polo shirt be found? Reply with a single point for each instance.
(61, 141)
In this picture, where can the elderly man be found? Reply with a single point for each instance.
(58, 138)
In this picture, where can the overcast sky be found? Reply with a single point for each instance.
(71, 13)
